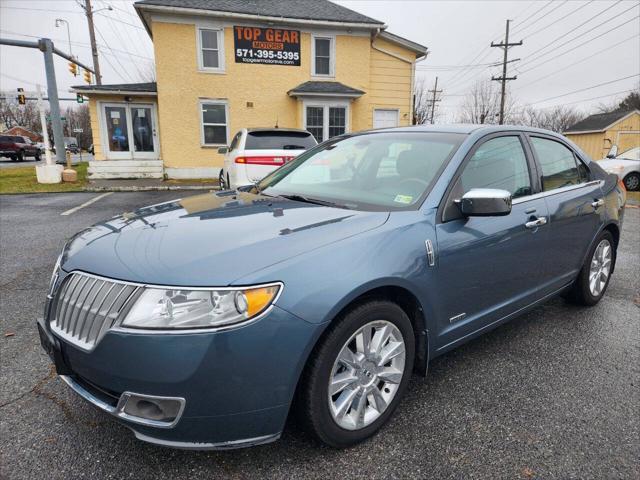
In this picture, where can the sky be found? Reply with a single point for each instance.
(575, 53)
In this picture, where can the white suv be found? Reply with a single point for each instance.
(256, 152)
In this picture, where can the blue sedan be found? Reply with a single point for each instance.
(198, 322)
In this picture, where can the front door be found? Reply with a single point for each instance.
(489, 267)
(129, 131)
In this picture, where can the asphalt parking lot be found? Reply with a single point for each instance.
(553, 394)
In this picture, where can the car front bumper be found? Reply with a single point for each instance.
(237, 384)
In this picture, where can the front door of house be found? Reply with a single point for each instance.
(129, 131)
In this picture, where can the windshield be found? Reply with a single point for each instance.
(374, 171)
(631, 154)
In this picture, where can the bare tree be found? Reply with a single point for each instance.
(482, 104)
(13, 114)
(421, 104)
(78, 118)
(558, 118)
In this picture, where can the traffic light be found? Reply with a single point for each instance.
(87, 76)
(21, 98)
(73, 68)
(79, 98)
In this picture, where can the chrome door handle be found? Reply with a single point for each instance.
(538, 222)
(598, 203)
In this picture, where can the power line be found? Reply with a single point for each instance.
(573, 30)
(534, 13)
(590, 57)
(587, 88)
(558, 20)
(115, 56)
(581, 44)
(540, 18)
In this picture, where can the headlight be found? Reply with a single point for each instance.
(162, 308)
(55, 274)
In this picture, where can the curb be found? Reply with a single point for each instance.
(161, 188)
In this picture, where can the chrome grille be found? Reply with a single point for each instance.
(87, 306)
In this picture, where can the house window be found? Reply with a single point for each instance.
(211, 50)
(214, 123)
(326, 121)
(323, 56)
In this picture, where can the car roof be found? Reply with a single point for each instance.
(467, 129)
(276, 129)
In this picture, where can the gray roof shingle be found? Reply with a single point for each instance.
(121, 87)
(597, 122)
(325, 88)
(300, 9)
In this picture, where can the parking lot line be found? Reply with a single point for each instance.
(85, 204)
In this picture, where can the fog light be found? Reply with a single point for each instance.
(151, 410)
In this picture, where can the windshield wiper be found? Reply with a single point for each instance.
(326, 203)
(293, 147)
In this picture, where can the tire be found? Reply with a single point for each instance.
(221, 181)
(320, 412)
(583, 291)
(20, 156)
(632, 182)
(36, 157)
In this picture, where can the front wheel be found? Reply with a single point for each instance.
(36, 157)
(595, 274)
(358, 374)
(632, 182)
(20, 156)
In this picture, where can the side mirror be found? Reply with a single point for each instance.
(485, 202)
(223, 150)
(613, 152)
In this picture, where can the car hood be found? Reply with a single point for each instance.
(210, 239)
(617, 162)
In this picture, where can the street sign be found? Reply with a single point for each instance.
(78, 130)
(79, 98)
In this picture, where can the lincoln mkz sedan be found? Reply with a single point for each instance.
(204, 322)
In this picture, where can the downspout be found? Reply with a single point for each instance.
(411, 62)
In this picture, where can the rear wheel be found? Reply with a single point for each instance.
(358, 374)
(20, 156)
(37, 157)
(221, 180)
(632, 182)
(595, 274)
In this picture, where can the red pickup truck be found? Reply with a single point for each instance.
(17, 148)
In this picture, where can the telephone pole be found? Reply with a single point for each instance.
(92, 36)
(503, 79)
(435, 92)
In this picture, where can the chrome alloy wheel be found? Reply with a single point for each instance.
(600, 267)
(366, 375)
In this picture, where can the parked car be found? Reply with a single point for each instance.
(626, 166)
(334, 278)
(256, 152)
(17, 148)
(71, 144)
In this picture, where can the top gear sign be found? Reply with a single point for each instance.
(271, 46)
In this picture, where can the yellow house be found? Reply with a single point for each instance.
(223, 65)
(596, 134)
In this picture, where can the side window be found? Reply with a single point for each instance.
(559, 168)
(498, 163)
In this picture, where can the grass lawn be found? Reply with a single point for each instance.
(23, 180)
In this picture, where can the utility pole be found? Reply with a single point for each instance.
(503, 79)
(43, 125)
(92, 36)
(435, 92)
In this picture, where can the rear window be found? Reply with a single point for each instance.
(275, 140)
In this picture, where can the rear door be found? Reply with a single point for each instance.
(575, 203)
(489, 267)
